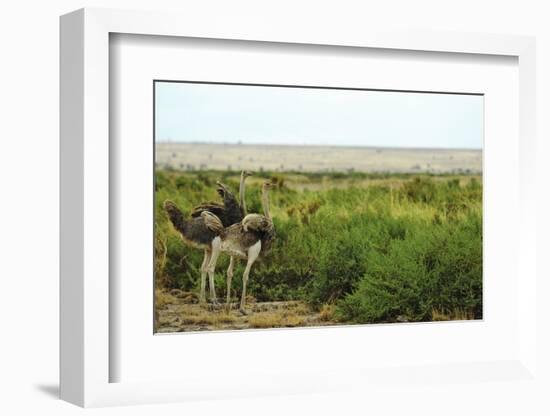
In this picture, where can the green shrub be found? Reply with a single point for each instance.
(340, 266)
(434, 268)
(420, 190)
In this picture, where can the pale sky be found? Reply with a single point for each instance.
(304, 116)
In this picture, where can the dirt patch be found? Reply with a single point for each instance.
(181, 315)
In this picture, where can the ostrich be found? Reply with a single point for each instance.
(245, 240)
(229, 212)
(195, 233)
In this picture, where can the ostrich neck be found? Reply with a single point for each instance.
(241, 194)
(265, 203)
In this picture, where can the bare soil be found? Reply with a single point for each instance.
(183, 314)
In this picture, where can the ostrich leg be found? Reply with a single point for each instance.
(253, 253)
(204, 268)
(229, 278)
(213, 297)
(216, 250)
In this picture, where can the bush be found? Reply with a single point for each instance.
(340, 266)
(436, 268)
(420, 190)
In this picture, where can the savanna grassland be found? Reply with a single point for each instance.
(350, 248)
(316, 158)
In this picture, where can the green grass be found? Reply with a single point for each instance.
(377, 247)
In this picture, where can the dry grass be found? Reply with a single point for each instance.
(300, 309)
(327, 313)
(163, 298)
(187, 297)
(455, 315)
(208, 318)
(275, 320)
(183, 316)
(293, 320)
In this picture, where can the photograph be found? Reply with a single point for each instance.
(288, 206)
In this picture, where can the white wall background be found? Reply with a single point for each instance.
(29, 208)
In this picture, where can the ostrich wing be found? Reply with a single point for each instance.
(257, 222)
(212, 222)
(214, 207)
(229, 212)
(175, 215)
(233, 212)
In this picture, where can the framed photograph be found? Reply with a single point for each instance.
(352, 219)
(287, 206)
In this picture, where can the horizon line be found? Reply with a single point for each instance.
(351, 146)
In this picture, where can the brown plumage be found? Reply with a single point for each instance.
(212, 222)
(262, 227)
(193, 230)
(229, 212)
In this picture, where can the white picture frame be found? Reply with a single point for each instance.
(85, 165)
